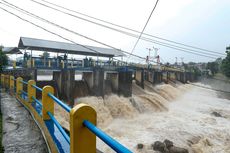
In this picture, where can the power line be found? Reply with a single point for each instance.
(45, 29)
(53, 33)
(144, 28)
(157, 37)
(54, 24)
(56, 33)
(44, 20)
(126, 33)
(71, 31)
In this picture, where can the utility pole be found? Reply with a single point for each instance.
(182, 60)
(176, 60)
(148, 57)
(154, 57)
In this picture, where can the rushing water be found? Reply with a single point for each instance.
(180, 113)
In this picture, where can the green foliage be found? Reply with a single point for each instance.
(213, 67)
(225, 66)
(45, 55)
(3, 59)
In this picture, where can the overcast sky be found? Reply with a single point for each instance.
(201, 23)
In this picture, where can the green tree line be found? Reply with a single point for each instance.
(225, 65)
(3, 59)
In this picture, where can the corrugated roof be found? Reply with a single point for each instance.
(62, 47)
(11, 50)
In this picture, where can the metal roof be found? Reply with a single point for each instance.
(63, 47)
(11, 50)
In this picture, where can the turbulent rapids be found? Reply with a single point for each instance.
(182, 113)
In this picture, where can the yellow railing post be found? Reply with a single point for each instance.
(11, 84)
(49, 63)
(81, 139)
(47, 102)
(31, 90)
(2, 80)
(62, 64)
(14, 64)
(33, 63)
(6, 82)
(19, 86)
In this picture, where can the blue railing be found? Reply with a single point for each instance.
(37, 101)
(65, 135)
(63, 105)
(24, 82)
(36, 87)
(60, 136)
(25, 93)
(116, 146)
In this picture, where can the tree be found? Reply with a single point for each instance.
(213, 67)
(3, 59)
(45, 55)
(225, 65)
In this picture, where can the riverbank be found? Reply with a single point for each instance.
(219, 82)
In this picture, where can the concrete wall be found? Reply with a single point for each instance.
(113, 77)
(183, 77)
(98, 82)
(125, 83)
(165, 76)
(151, 76)
(140, 78)
(178, 76)
(172, 76)
(157, 77)
(65, 83)
(88, 77)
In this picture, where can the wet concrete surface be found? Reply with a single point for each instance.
(20, 133)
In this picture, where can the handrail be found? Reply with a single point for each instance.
(63, 105)
(67, 138)
(87, 120)
(36, 87)
(37, 101)
(116, 146)
(24, 92)
(24, 82)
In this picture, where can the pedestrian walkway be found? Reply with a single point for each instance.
(20, 133)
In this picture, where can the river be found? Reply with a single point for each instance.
(184, 114)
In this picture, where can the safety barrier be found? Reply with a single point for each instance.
(83, 118)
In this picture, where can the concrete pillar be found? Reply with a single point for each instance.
(98, 82)
(125, 83)
(111, 82)
(165, 76)
(88, 77)
(58, 81)
(151, 76)
(183, 77)
(140, 78)
(157, 77)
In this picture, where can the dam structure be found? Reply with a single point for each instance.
(41, 84)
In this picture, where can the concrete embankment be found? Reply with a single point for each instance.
(20, 132)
